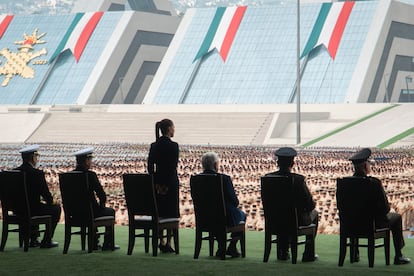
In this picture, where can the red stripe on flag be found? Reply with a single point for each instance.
(4, 24)
(86, 34)
(339, 28)
(231, 32)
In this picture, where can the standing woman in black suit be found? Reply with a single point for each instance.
(162, 163)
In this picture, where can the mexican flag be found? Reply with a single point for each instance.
(329, 27)
(78, 34)
(222, 31)
(4, 23)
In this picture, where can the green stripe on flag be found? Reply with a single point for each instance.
(208, 39)
(317, 28)
(62, 43)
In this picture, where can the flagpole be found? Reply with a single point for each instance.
(298, 136)
(191, 80)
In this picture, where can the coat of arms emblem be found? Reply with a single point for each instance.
(17, 63)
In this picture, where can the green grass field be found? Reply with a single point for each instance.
(13, 261)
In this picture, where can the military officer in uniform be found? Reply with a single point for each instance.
(37, 189)
(84, 164)
(305, 204)
(362, 167)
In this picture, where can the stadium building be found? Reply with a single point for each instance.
(226, 75)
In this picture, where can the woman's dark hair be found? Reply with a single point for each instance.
(162, 125)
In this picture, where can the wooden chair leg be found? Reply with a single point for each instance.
(268, 246)
(294, 248)
(243, 244)
(131, 240)
(342, 249)
(198, 239)
(67, 239)
(155, 233)
(387, 248)
(83, 237)
(371, 251)
(211, 244)
(4, 234)
(91, 238)
(176, 241)
(146, 239)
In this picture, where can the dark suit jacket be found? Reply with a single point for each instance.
(230, 199)
(36, 186)
(162, 163)
(304, 200)
(95, 188)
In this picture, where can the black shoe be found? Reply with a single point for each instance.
(232, 251)
(170, 249)
(401, 260)
(49, 244)
(165, 248)
(306, 258)
(283, 256)
(221, 254)
(109, 247)
(356, 259)
(34, 243)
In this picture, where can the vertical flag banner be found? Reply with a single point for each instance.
(222, 31)
(329, 27)
(4, 23)
(78, 34)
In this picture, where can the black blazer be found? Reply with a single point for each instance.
(163, 161)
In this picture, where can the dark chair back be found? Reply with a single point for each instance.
(76, 200)
(16, 209)
(141, 202)
(279, 204)
(13, 193)
(355, 202)
(210, 214)
(280, 211)
(208, 200)
(74, 189)
(140, 195)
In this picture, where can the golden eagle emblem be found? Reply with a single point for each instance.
(17, 63)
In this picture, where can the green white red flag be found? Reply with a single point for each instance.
(78, 34)
(222, 31)
(329, 27)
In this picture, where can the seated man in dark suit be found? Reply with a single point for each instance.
(37, 189)
(362, 167)
(305, 205)
(84, 163)
(210, 163)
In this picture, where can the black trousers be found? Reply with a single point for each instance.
(284, 241)
(394, 222)
(44, 209)
(102, 212)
